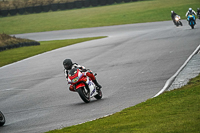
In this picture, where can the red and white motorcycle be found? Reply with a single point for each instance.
(83, 85)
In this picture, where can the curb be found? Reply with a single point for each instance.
(170, 80)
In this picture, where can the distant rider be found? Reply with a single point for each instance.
(190, 12)
(198, 12)
(173, 14)
(68, 65)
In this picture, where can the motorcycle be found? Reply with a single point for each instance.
(191, 21)
(178, 20)
(83, 85)
(198, 14)
(2, 119)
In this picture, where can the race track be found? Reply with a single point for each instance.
(133, 63)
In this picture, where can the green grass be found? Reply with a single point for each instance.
(13, 55)
(125, 13)
(177, 111)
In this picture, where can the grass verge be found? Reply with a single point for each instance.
(13, 55)
(117, 14)
(176, 111)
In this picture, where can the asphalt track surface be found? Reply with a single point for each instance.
(133, 63)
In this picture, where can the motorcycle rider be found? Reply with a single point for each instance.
(173, 14)
(68, 65)
(198, 12)
(191, 12)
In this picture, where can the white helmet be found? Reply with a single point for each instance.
(190, 9)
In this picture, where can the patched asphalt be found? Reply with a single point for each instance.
(191, 70)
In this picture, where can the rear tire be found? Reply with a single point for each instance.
(84, 94)
(2, 119)
(192, 26)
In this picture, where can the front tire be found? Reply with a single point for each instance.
(2, 119)
(84, 94)
(181, 23)
(192, 24)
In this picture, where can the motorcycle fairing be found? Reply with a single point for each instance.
(80, 85)
(73, 74)
(177, 18)
(92, 87)
(191, 17)
(191, 22)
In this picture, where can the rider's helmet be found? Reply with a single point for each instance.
(197, 9)
(190, 9)
(67, 63)
(172, 11)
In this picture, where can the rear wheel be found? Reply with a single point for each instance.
(84, 94)
(99, 95)
(192, 26)
(2, 119)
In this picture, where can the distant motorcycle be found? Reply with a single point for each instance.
(83, 85)
(2, 119)
(178, 20)
(191, 21)
(198, 15)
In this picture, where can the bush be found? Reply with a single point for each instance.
(4, 12)
(78, 4)
(86, 3)
(94, 2)
(21, 10)
(9, 42)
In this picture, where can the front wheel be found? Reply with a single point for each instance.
(181, 23)
(192, 24)
(84, 94)
(2, 119)
(176, 23)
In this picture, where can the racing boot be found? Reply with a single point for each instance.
(97, 84)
